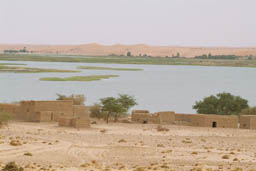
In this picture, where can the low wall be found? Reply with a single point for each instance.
(145, 118)
(166, 117)
(80, 111)
(248, 121)
(206, 120)
(9, 108)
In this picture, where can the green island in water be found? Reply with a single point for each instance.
(79, 78)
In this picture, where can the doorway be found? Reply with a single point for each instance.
(214, 124)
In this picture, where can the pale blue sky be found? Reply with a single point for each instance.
(154, 22)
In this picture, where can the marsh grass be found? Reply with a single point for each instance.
(108, 68)
(15, 69)
(11, 64)
(79, 78)
(130, 60)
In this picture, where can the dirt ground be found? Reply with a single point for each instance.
(121, 146)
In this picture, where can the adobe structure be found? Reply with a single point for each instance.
(207, 120)
(248, 121)
(46, 111)
(143, 116)
(201, 120)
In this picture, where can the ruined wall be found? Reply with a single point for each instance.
(25, 111)
(44, 116)
(67, 122)
(166, 117)
(248, 121)
(80, 111)
(221, 121)
(245, 121)
(140, 111)
(182, 119)
(8, 108)
(145, 118)
(81, 123)
(206, 120)
(59, 108)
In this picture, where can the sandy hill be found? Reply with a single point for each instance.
(118, 49)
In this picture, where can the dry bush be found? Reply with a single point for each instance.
(161, 128)
(122, 141)
(103, 131)
(15, 143)
(194, 152)
(225, 156)
(12, 166)
(4, 118)
(27, 154)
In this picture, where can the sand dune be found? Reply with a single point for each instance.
(136, 50)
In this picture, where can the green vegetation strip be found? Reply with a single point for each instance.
(4, 68)
(108, 68)
(79, 78)
(11, 64)
(131, 60)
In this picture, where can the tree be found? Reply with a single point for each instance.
(111, 107)
(249, 111)
(129, 53)
(96, 111)
(127, 101)
(222, 104)
(116, 107)
(77, 99)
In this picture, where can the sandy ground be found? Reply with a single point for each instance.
(97, 49)
(127, 147)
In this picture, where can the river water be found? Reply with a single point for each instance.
(156, 88)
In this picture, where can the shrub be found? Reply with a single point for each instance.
(95, 111)
(4, 118)
(12, 166)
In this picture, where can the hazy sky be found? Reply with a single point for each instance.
(155, 22)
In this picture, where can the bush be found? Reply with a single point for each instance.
(12, 166)
(95, 111)
(4, 118)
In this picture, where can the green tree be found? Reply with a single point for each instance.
(111, 107)
(127, 101)
(116, 107)
(249, 111)
(96, 112)
(222, 104)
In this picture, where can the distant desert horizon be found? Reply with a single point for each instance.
(95, 49)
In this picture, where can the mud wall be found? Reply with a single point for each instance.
(166, 117)
(81, 111)
(145, 118)
(248, 121)
(8, 108)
